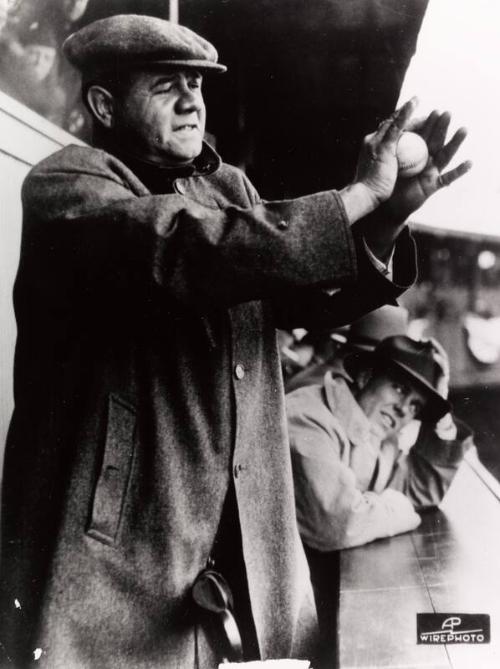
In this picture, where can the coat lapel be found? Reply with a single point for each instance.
(364, 449)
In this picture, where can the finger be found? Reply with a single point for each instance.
(439, 352)
(394, 119)
(400, 121)
(379, 133)
(417, 124)
(448, 178)
(437, 137)
(424, 126)
(443, 157)
(436, 345)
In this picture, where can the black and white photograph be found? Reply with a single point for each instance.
(250, 340)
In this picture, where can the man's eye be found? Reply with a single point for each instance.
(164, 88)
(195, 84)
(416, 408)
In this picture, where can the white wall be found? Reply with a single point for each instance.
(456, 67)
(25, 138)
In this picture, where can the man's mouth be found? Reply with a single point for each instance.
(388, 420)
(186, 127)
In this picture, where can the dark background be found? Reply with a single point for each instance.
(306, 81)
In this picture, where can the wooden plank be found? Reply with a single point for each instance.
(368, 567)
(10, 231)
(26, 135)
(472, 593)
(378, 629)
(25, 138)
(381, 589)
(448, 565)
(460, 564)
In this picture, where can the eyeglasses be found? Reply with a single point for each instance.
(211, 592)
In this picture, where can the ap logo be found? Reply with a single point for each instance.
(447, 628)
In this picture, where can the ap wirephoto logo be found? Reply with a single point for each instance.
(435, 628)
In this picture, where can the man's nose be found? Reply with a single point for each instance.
(402, 407)
(189, 100)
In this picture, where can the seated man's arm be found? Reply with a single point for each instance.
(426, 473)
(332, 512)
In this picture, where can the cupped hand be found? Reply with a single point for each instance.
(410, 193)
(377, 167)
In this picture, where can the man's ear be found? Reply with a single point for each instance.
(102, 105)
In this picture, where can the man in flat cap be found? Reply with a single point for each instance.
(149, 441)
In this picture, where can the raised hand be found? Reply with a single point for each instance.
(410, 193)
(377, 167)
(441, 357)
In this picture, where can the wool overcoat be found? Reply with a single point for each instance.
(147, 381)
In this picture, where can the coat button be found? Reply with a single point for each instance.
(237, 470)
(180, 187)
(283, 225)
(239, 371)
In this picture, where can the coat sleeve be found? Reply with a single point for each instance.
(321, 309)
(317, 309)
(86, 210)
(427, 471)
(332, 512)
(84, 207)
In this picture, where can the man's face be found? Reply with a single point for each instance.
(40, 59)
(161, 116)
(390, 401)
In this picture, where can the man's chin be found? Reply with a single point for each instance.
(384, 431)
(183, 157)
(379, 432)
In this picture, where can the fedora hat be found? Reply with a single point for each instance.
(418, 360)
(371, 329)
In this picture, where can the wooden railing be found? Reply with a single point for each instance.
(450, 564)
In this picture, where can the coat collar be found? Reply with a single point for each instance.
(155, 176)
(343, 405)
(364, 447)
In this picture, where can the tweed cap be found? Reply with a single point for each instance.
(126, 39)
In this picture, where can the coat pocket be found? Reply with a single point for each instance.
(111, 488)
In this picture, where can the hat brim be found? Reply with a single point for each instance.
(362, 347)
(202, 65)
(437, 406)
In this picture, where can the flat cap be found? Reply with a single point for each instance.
(127, 39)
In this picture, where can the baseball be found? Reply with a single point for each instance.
(412, 154)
